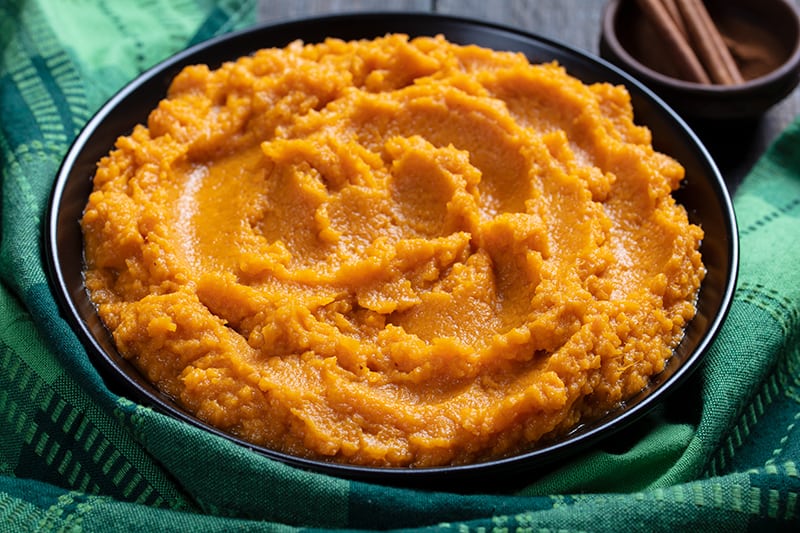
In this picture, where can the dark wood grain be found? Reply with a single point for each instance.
(735, 146)
(574, 22)
(273, 10)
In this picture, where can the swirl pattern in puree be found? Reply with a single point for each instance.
(393, 251)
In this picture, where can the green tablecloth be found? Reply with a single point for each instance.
(721, 454)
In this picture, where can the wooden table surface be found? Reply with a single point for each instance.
(734, 146)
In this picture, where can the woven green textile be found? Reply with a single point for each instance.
(721, 455)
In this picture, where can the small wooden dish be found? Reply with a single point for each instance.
(764, 38)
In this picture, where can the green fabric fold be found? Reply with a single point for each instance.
(721, 453)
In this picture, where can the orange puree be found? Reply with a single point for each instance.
(392, 252)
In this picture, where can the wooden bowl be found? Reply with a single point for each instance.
(763, 36)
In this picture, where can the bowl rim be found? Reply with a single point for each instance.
(538, 457)
(785, 70)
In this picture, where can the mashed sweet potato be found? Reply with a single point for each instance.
(392, 252)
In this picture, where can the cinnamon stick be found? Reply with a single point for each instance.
(675, 14)
(708, 42)
(685, 58)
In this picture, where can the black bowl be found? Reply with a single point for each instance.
(703, 194)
